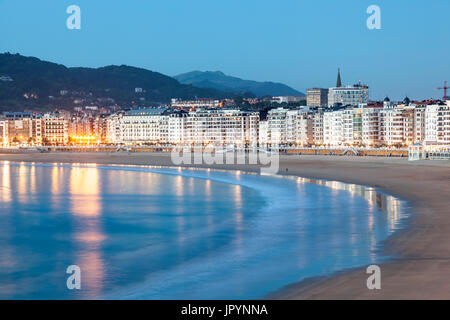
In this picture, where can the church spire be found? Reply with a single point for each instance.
(338, 82)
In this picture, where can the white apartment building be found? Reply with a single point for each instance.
(391, 129)
(200, 127)
(222, 127)
(339, 127)
(351, 95)
(143, 126)
(263, 133)
(305, 129)
(289, 127)
(276, 126)
(318, 127)
(437, 123)
(419, 124)
(370, 126)
(333, 128)
(176, 127)
(299, 127)
(113, 128)
(348, 127)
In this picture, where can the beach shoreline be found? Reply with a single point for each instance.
(422, 264)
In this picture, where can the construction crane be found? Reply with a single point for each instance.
(445, 90)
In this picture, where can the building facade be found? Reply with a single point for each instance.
(351, 95)
(317, 97)
(437, 123)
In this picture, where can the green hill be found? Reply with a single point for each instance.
(38, 84)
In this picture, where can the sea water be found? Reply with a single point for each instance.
(170, 233)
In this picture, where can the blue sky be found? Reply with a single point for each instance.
(298, 42)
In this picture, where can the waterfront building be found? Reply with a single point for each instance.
(318, 127)
(143, 126)
(408, 114)
(37, 131)
(391, 126)
(113, 128)
(263, 133)
(176, 127)
(222, 127)
(348, 127)
(316, 97)
(299, 124)
(333, 128)
(200, 127)
(419, 123)
(357, 126)
(19, 131)
(53, 129)
(342, 127)
(289, 127)
(437, 123)
(370, 125)
(276, 126)
(100, 127)
(81, 124)
(304, 134)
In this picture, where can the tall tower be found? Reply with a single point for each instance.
(338, 82)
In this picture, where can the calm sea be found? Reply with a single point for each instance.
(160, 233)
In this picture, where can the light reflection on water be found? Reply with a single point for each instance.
(171, 233)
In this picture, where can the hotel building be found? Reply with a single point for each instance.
(143, 126)
(176, 127)
(54, 130)
(222, 127)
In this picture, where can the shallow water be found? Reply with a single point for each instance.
(160, 233)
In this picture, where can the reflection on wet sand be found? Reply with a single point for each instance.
(386, 203)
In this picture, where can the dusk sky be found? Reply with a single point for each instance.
(300, 43)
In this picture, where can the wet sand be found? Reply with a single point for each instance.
(421, 269)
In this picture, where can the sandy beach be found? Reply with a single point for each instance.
(421, 268)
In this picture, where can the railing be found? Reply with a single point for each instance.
(330, 151)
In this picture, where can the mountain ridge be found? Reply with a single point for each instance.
(220, 81)
(29, 82)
